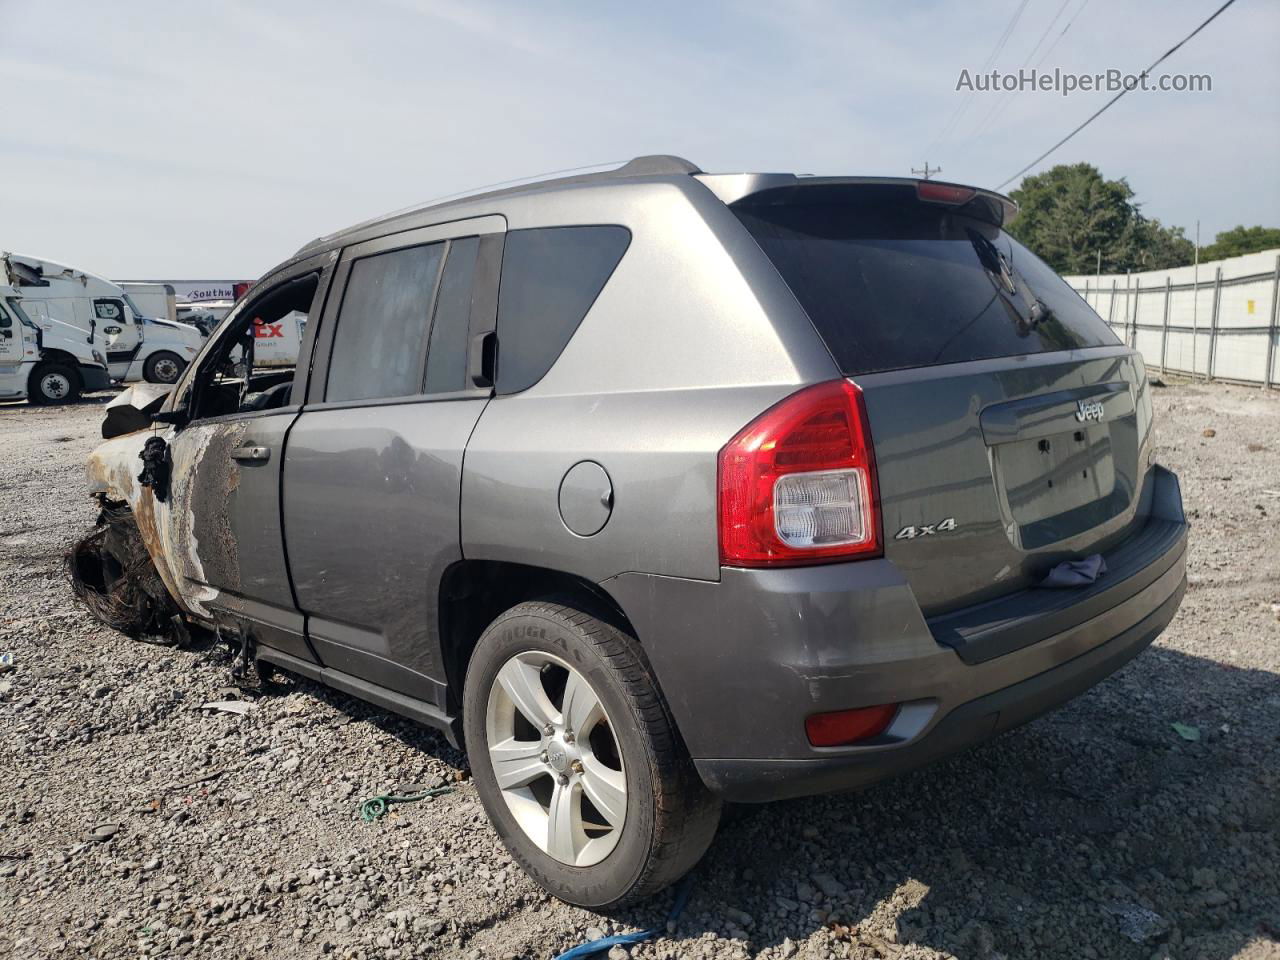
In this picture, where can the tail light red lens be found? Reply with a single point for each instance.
(842, 727)
(944, 192)
(798, 484)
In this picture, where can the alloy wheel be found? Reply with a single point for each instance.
(555, 758)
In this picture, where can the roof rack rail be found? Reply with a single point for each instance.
(656, 164)
(652, 165)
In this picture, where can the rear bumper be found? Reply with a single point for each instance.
(750, 781)
(743, 661)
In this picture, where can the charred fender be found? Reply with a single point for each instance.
(113, 476)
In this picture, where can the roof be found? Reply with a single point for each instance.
(730, 188)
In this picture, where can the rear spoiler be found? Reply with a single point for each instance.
(769, 188)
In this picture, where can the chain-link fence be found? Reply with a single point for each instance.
(1215, 321)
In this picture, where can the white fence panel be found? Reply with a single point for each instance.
(1218, 320)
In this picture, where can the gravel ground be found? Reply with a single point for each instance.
(1097, 831)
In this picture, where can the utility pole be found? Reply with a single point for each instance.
(927, 172)
(1195, 304)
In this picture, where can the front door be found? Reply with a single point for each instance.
(121, 336)
(12, 341)
(373, 470)
(222, 516)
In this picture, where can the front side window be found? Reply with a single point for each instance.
(109, 311)
(242, 370)
(550, 278)
(133, 306)
(380, 343)
(18, 312)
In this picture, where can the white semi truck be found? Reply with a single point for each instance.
(136, 347)
(50, 364)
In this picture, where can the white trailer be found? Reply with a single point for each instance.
(155, 300)
(53, 365)
(136, 347)
(276, 344)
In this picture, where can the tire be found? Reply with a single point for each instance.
(665, 819)
(54, 382)
(113, 575)
(163, 366)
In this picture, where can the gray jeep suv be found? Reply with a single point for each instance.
(655, 488)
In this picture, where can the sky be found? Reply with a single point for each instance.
(177, 140)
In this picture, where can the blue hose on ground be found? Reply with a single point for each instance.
(593, 947)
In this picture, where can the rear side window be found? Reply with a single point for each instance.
(550, 278)
(447, 354)
(380, 344)
(891, 282)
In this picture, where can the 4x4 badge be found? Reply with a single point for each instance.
(926, 529)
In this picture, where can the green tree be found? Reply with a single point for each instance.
(1071, 212)
(1241, 240)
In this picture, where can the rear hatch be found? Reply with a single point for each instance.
(1011, 427)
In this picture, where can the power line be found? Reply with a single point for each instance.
(1004, 38)
(1059, 37)
(1002, 100)
(1045, 56)
(1036, 48)
(1106, 106)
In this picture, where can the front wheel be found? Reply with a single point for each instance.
(53, 382)
(577, 760)
(163, 367)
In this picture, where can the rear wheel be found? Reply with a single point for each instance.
(576, 758)
(163, 366)
(54, 382)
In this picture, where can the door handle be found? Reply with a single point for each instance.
(257, 454)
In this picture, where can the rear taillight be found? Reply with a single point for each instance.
(798, 484)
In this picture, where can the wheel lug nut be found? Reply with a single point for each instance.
(564, 779)
(548, 730)
(576, 766)
(543, 756)
(568, 736)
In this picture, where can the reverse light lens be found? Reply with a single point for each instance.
(797, 485)
(820, 509)
(843, 727)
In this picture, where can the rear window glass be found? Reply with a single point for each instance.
(380, 345)
(447, 353)
(550, 278)
(891, 282)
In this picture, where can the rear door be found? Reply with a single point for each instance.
(372, 474)
(1011, 427)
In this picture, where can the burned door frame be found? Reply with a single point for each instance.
(222, 518)
(389, 642)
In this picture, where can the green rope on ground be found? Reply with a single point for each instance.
(375, 807)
